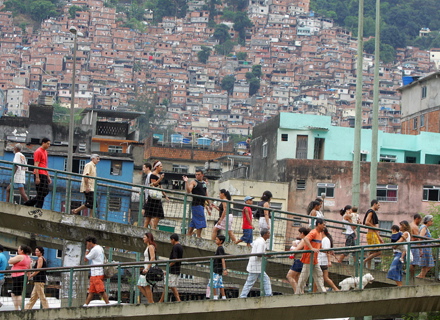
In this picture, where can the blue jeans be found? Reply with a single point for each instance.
(252, 277)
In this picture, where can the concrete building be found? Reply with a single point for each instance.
(315, 157)
(421, 105)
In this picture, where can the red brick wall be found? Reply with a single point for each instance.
(432, 124)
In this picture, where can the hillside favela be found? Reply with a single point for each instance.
(212, 159)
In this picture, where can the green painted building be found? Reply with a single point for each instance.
(302, 136)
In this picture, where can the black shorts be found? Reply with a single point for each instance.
(323, 268)
(17, 285)
(89, 199)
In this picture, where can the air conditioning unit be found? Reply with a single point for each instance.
(82, 147)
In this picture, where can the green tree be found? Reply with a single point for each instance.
(254, 86)
(153, 117)
(225, 48)
(228, 15)
(249, 75)
(393, 36)
(73, 10)
(204, 54)
(256, 70)
(387, 52)
(241, 22)
(241, 56)
(434, 210)
(228, 83)
(238, 5)
(42, 9)
(221, 33)
(134, 24)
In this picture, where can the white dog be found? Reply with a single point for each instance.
(353, 282)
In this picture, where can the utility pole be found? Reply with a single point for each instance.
(375, 130)
(355, 199)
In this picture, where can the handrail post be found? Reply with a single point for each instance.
(272, 229)
(141, 205)
(107, 204)
(95, 196)
(119, 284)
(67, 205)
(263, 270)
(312, 266)
(183, 225)
(408, 263)
(23, 294)
(54, 187)
(358, 235)
(361, 268)
(228, 209)
(11, 185)
(165, 298)
(211, 277)
(69, 297)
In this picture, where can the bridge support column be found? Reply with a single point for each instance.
(73, 256)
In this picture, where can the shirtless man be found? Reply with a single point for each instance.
(373, 236)
(415, 251)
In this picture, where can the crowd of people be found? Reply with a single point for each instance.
(314, 237)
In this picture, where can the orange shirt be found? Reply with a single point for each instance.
(315, 239)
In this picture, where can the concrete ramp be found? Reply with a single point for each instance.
(49, 228)
(374, 302)
(111, 234)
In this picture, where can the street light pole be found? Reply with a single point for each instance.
(74, 31)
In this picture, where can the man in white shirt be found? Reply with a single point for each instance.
(19, 173)
(95, 254)
(254, 266)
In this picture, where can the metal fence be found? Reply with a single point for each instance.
(122, 202)
(67, 286)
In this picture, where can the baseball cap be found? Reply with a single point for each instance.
(248, 198)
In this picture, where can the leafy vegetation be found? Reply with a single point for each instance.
(228, 83)
(203, 55)
(434, 210)
(37, 10)
(401, 20)
(154, 116)
(387, 52)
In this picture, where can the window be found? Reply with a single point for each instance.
(177, 168)
(387, 158)
(387, 192)
(431, 193)
(424, 92)
(115, 149)
(385, 225)
(114, 204)
(284, 137)
(422, 120)
(116, 168)
(415, 123)
(363, 157)
(327, 188)
(77, 165)
(300, 184)
(264, 149)
(59, 254)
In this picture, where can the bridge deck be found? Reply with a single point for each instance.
(381, 301)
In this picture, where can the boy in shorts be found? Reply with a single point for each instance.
(219, 269)
(247, 223)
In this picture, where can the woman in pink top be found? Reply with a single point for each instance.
(21, 261)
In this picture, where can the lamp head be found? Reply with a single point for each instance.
(73, 30)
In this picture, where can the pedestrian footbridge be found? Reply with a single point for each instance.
(373, 302)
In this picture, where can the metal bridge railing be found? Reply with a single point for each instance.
(68, 285)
